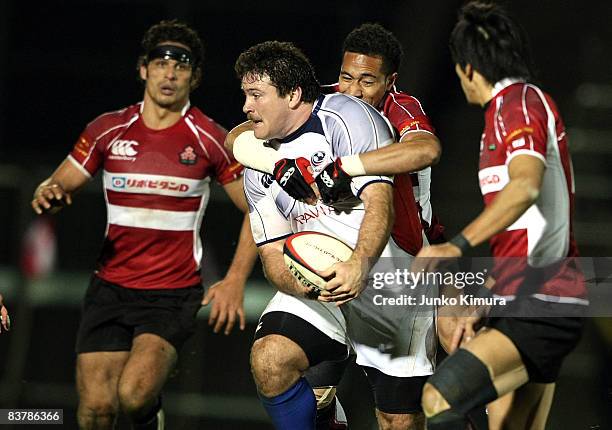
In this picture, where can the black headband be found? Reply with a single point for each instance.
(171, 52)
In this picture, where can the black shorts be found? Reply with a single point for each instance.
(112, 316)
(328, 358)
(328, 373)
(544, 333)
(317, 345)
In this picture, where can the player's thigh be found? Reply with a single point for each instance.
(501, 357)
(97, 375)
(280, 333)
(151, 360)
(527, 409)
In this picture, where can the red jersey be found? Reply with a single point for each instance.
(411, 196)
(406, 115)
(156, 186)
(522, 120)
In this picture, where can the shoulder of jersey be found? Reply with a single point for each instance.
(117, 117)
(400, 97)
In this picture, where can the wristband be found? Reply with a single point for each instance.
(352, 165)
(461, 242)
(252, 153)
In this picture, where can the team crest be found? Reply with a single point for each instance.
(267, 180)
(188, 156)
(317, 158)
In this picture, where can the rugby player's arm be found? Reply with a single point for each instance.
(5, 320)
(277, 273)
(235, 132)
(415, 151)
(227, 295)
(526, 173)
(246, 251)
(350, 276)
(59, 187)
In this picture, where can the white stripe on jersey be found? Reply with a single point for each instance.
(155, 184)
(155, 219)
(526, 152)
(78, 165)
(197, 241)
(493, 179)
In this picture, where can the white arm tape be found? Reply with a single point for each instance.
(251, 152)
(352, 165)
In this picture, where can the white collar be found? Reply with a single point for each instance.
(183, 111)
(504, 83)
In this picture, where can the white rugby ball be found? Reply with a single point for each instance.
(307, 252)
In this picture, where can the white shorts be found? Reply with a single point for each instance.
(397, 340)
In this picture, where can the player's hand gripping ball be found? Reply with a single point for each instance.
(309, 252)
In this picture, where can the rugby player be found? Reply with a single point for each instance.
(283, 101)
(527, 182)
(158, 158)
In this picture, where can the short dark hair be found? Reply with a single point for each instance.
(285, 65)
(486, 37)
(179, 32)
(374, 40)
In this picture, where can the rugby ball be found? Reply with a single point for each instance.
(307, 252)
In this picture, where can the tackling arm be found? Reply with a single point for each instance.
(415, 151)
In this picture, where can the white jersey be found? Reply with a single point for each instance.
(340, 125)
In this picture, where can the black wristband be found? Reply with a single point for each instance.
(461, 242)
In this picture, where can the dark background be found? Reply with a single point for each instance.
(65, 62)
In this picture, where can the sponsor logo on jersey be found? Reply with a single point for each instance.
(518, 142)
(118, 182)
(326, 179)
(317, 158)
(123, 150)
(267, 180)
(313, 213)
(288, 174)
(490, 179)
(188, 156)
(493, 179)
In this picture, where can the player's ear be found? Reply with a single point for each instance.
(196, 79)
(143, 71)
(469, 71)
(295, 97)
(391, 81)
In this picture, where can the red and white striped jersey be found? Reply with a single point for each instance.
(522, 120)
(406, 115)
(156, 186)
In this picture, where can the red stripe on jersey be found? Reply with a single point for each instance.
(154, 201)
(139, 258)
